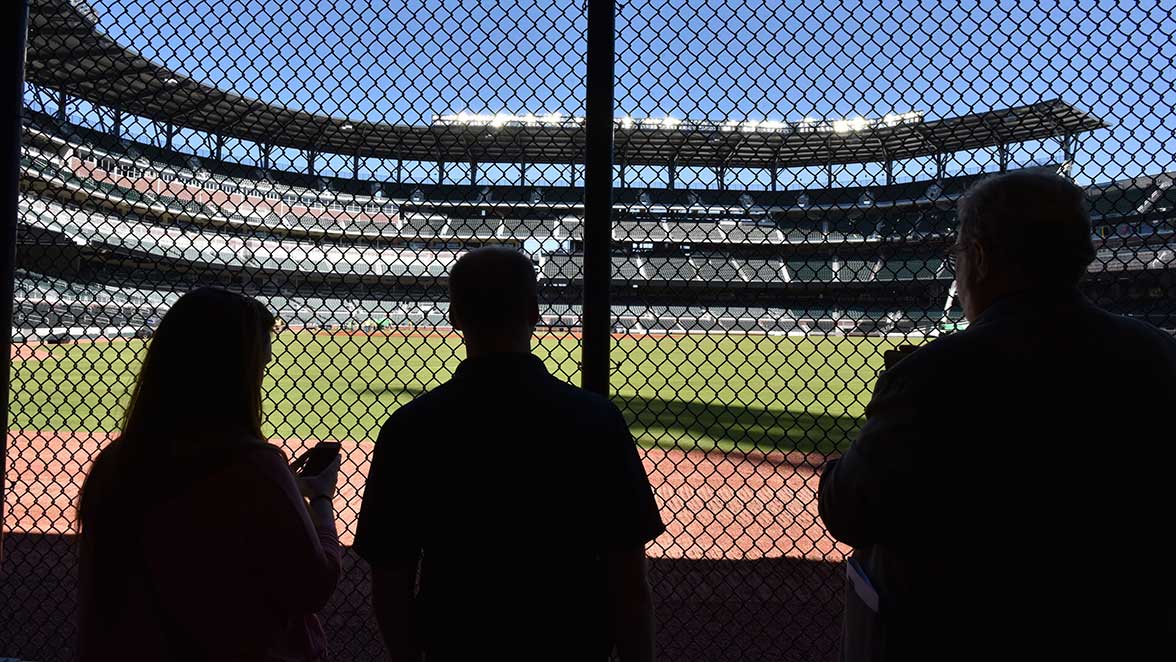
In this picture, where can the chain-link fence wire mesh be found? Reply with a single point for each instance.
(818, 185)
(785, 185)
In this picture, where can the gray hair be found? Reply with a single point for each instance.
(1035, 226)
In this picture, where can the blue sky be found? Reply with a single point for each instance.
(756, 60)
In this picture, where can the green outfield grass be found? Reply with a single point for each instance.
(705, 392)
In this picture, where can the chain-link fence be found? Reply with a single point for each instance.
(784, 187)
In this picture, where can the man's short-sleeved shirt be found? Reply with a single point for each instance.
(511, 485)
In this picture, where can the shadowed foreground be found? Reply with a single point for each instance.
(707, 610)
(744, 572)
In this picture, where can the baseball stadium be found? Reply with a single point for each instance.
(761, 264)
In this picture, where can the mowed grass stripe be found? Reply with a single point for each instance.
(764, 393)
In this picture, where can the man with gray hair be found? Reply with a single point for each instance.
(990, 498)
(506, 512)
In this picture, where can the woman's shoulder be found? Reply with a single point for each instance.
(258, 467)
(262, 453)
(106, 456)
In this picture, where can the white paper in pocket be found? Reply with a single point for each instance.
(862, 585)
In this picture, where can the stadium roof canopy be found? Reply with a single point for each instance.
(67, 52)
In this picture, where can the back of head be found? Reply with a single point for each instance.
(203, 368)
(1035, 227)
(492, 293)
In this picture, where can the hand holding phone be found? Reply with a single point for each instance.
(318, 470)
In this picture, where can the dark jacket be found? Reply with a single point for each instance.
(1009, 494)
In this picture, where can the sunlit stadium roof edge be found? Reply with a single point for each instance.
(68, 53)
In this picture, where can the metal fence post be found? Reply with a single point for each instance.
(12, 60)
(598, 157)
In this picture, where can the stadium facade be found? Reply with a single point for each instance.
(108, 222)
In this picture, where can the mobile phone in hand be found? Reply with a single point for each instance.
(315, 460)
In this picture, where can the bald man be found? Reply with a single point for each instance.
(516, 502)
(1005, 486)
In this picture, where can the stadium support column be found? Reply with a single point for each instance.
(12, 61)
(598, 156)
(1069, 148)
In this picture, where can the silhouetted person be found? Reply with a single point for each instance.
(1005, 494)
(516, 500)
(195, 541)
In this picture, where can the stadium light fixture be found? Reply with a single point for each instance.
(499, 120)
(895, 119)
(850, 125)
(806, 125)
(859, 123)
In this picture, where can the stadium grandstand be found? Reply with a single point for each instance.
(101, 207)
(114, 210)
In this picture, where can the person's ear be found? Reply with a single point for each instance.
(454, 319)
(533, 318)
(981, 262)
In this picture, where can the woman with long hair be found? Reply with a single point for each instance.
(197, 540)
